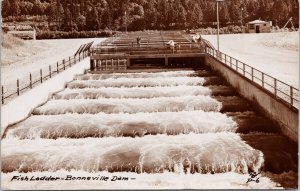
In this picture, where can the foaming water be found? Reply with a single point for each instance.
(161, 104)
(207, 153)
(137, 82)
(121, 125)
(135, 75)
(135, 92)
(166, 129)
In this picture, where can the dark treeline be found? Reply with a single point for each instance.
(92, 15)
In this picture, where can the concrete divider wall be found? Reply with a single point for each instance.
(286, 117)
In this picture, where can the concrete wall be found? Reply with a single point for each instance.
(21, 107)
(286, 117)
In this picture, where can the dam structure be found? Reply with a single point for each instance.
(149, 108)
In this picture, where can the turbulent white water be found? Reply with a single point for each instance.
(218, 152)
(118, 125)
(135, 92)
(164, 129)
(135, 75)
(137, 82)
(161, 104)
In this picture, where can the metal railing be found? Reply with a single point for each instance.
(21, 85)
(282, 91)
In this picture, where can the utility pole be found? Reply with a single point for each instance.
(218, 23)
(126, 21)
(242, 9)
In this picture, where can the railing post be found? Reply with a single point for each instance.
(292, 96)
(118, 64)
(50, 73)
(74, 59)
(275, 87)
(105, 64)
(263, 79)
(2, 94)
(30, 78)
(41, 73)
(237, 65)
(225, 59)
(64, 63)
(252, 74)
(18, 87)
(70, 61)
(244, 69)
(112, 64)
(57, 69)
(230, 62)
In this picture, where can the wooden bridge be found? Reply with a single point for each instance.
(154, 49)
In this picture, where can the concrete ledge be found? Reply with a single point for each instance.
(21, 107)
(286, 117)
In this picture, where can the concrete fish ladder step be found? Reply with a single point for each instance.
(135, 92)
(206, 153)
(118, 125)
(233, 104)
(143, 92)
(136, 75)
(161, 104)
(137, 82)
(252, 122)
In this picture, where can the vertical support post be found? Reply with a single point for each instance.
(41, 74)
(105, 64)
(292, 96)
(263, 79)
(18, 87)
(128, 62)
(50, 72)
(2, 94)
(244, 69)
(225, 59)
(30, 79)
(252, 74)
(100, 64)
(218, 30)
(57, 69)
(166, 61)
(64, 63)
(275, 87)
(70, 64)
(118, 64)
(92, 68)
(112, 64)
(230, 62)
(74, 59)
(237, 65)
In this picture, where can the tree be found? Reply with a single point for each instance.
(92, 22)
(51, 13)
(6, 8)
(59, 13)
(15, 8)
(280, 12)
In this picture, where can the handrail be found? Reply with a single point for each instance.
(38, 77)
(279, 89)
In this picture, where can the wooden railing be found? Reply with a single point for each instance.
(10, 91)
(282, 91)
